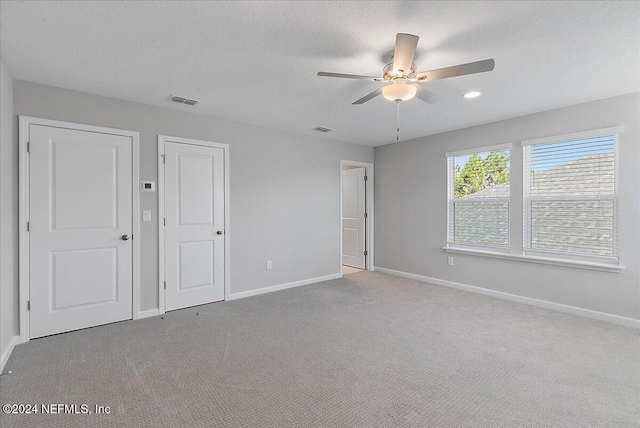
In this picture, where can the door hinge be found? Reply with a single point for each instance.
(365, 252)
(164, 221)
(28, 147)
(366, 178)
(28, 226)
(28, 305)
(164, 158)
(366, 215)
(165, 285)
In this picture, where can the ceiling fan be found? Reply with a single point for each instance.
(400, 75)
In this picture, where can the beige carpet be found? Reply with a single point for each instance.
(347, 270)
(367, 350)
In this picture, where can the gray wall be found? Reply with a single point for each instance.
(411, 210)
(8, 213)
(284, 187)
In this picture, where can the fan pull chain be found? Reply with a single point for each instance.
(398, 123)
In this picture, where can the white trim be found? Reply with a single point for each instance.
(572, 257)
(162, 139)
(23, 236)
(149, 313)
(473, 248)
(272, 288)
(15, 340)
(595, 133)
(161, 268)
(588, 313)
(23, 214)
(477, 199)
(369, 191)
(137, 235)
(604, 267)
(478, 150)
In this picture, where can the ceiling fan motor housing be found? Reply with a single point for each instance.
(389, 73)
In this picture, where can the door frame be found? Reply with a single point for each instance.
(368, 259)
(23, 209)
(162, 139)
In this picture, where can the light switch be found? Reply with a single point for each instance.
(146, 215)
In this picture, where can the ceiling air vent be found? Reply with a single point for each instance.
(322, 129)
(183, 100)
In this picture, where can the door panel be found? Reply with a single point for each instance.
(98, 173)
(194, 213)
(96, 267)
(196, 265)
(196, 190)
(353, 220)
(80, 204)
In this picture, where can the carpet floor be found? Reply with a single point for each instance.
(366, 350)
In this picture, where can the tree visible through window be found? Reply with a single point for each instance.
(478, 172)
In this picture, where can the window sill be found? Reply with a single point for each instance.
(604, 267)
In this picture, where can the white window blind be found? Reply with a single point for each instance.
(570, 197)
(478, 199)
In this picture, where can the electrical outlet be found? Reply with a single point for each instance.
(146, 215)
(269, 264)
(450, 261)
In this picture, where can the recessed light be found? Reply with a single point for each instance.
(472, 94)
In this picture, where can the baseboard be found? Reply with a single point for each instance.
(15, 340)
(602, 316)
(272, 288)
(149, 313)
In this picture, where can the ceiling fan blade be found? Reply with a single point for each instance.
(426, 95)
(404, 52)
(457, 70)
(368, 97)
(350, 76)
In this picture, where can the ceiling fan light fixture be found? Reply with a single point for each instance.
(472, 94)
(399, 91)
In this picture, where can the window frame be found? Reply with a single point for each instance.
(450, 156)
(527, 251)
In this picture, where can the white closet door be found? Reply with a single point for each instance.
(353, 219)
(194, 215)
(80, 208)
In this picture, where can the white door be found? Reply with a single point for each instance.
(80, 207)
(194, 215)
(353, 217)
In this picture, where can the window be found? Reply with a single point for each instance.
(478, 198)
(570, 196)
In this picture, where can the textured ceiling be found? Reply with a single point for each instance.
(256, 62)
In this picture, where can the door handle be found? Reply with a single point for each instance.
(219, 232)
(125, 237)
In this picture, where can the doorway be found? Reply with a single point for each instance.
(193, 222)
(356, 216)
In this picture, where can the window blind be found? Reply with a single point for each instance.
(570, 197)
(479, 196)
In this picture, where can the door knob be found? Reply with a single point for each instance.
(125, 237)
(219, 232)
